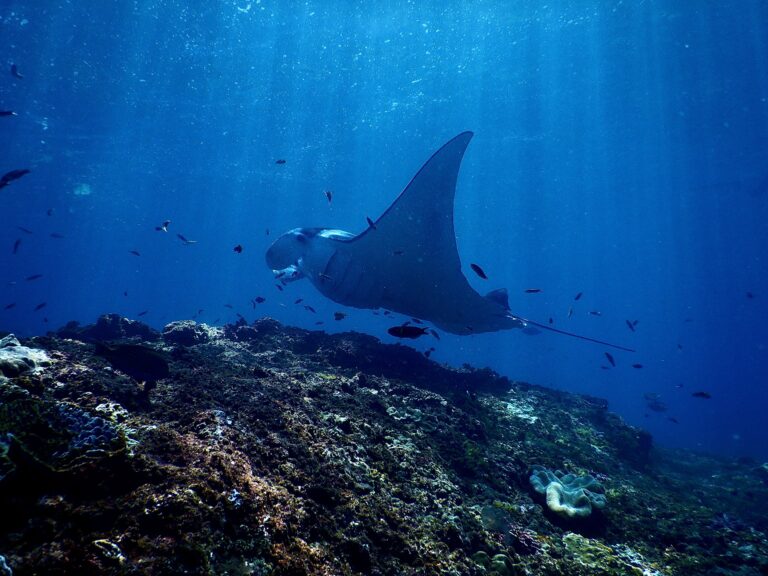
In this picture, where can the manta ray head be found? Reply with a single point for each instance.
(290, 247)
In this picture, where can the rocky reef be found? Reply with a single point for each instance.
(265, 449)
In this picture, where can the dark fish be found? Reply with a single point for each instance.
(9, 177)
(280, 161)
(630, 325)
(398, 253)
(259, 300)
(679, 346)
(578, 296)
(15, 72)
(610, 359)
(143, 313)
(704, 395)
(56, 235)
(595, 312)
(240, 316)
(532, 290)
(310, 309)
(638, 366)
(266, 232)
(228, 306)
(41, 306)
(551, 320)
(16, 245)
(319, 323)
(11, 305)
(750, 295)
(141, 363)
(238, 249)
(299, 300)
(49, 212)
(329, 195)
(370, 222)
(134, 252)
(407, 331)
(8, 113)
(163, 227)
(185, 240)
(279, 287)
(673, 420)
(657, 405)
(434, 333)
(33, 277)
(339, 316)
(604, 367)
(386, 312)
(125, 293)
(25, 230)
(479, 271)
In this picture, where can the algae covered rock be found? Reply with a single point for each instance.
(187, 333)
(568, 495)
(16, 359)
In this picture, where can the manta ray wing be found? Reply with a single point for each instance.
(408, 261)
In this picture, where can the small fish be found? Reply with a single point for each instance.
(551, 320)
(238, 249)
(339, 316)
(25, 230)
(570, 312)
(15, 72)
(370, 223)
(309, 308)
(630, 325)
(610, 359)
(41, 306)
(134, 252)
(33, 277)
(240, 316)
(228, 306)
(143, 313)
(673, 420)
(679, 346)
(8, 113)
(279, 287)
(386, 312)
(407, 331)
(9, 177)
(11, 305)
(280, 161)
(638, 366)
(16, 245)
(532, 290)
(125, 293)
(299, 300)
(259, 300)
(750, 295)
(595, 313)
(479, 271)
(185, 240)
(56, 235)
(319, 323)
(398, 253)
(604, 367)
(163, 227)
(578, 296)
(703, 395)
(434, 333)
(49, 212)
(266, 232)
(329, 195)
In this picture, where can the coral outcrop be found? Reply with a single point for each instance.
(568, 495)
(274, 450)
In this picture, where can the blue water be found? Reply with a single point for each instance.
(620, 150)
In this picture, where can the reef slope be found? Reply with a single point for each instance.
(275, 450)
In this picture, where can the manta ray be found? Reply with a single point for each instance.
(406, 261)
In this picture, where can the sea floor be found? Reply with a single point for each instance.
(274, 450)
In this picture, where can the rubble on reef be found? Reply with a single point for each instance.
(275, 450)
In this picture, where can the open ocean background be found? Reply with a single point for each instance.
(620, 150)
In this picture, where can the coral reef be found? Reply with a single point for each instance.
(274, 450)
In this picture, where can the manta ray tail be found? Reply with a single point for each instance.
(579, 336)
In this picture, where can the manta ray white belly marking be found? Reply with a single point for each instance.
(407, 261)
